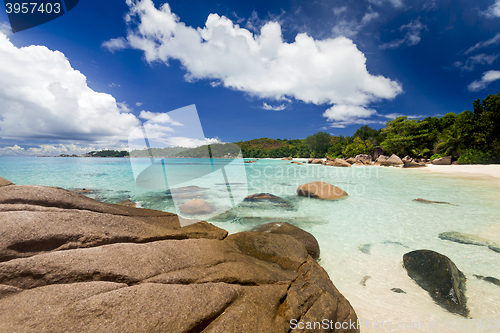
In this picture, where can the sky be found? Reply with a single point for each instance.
(276, 69)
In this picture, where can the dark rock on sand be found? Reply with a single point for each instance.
(488, 279)
(399, 291)
(430, 201)
(307, 239)
(351, 160)
(321, 190)
(439, 276)
(71, 264)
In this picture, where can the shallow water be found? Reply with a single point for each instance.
(379, 217)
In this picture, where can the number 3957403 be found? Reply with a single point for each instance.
(33, 8)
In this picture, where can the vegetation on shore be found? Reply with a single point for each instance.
(469, 137)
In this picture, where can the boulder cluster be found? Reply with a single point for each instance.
(71, 264)
(378, 157)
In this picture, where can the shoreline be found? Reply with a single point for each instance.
(470, 171)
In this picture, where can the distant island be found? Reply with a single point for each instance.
(470, 137)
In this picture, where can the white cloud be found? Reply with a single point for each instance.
(5, 28)
(480, 45)
(330, 71)
(343, 115)
(412, 37)
(487, 78)
(350, 28)
(112, 85)
(339, 10)
(115, 44)
(123, 106)
(158, 118)
(42, 96)
(266, 106)
(138, 104)
(394, 3)
(190, 142)
(51, 150)
(481, 59)
(493, 10)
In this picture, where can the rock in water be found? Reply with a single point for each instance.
(488, 279)
(439, 276)
(430, 201)
(196, 206)
(459, 237)
(267, 199)
(321, 190)
(308, 240)
(398, 290)
(365, 248)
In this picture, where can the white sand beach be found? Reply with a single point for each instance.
(468, 171)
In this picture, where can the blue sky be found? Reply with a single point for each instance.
(277, 69)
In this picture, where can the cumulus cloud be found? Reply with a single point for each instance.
(42, 96)
(330, 71)
(266, 106)
(493, 11)
(343, 115)
(488, 77)
(486, 43)
(411, 38)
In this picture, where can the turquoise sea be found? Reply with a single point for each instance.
(362, 237)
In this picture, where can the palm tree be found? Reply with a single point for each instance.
(451, 142)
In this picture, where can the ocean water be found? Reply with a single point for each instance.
(379, 217)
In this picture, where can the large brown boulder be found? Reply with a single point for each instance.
(71, 264)
(317, 161)
(442, 161)
(376, 152)
(338, 162)
(308, 240)
(364, 158)
(5, 182)
(393, 160)
(321, 190)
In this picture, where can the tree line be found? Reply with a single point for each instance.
(469, 137)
